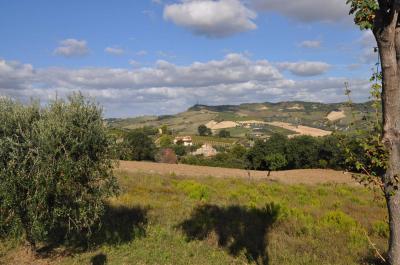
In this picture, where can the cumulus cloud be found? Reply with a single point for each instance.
(72, 48)
(311, 44)
(305, 10)
(114, 50)
(14, 75)
(220, 18)
(169, 88)
(305, 68)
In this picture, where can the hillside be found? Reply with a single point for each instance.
(258, 118)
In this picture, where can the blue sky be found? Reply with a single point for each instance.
(157, 56)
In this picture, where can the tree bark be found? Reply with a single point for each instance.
(387, 36)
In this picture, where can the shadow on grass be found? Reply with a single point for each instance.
(119, 225)
(374, 260)
(99, 259)
(238, 229)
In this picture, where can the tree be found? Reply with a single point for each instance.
(166, 141)
(140, 145)
(275, 162)
(224, 134)
(167, 156)
(204, 130)
(55, 168)
(302, 152)
(382, 16)
(276, 144)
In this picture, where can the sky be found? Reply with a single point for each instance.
(146, 57)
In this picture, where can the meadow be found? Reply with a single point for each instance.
(170, 219)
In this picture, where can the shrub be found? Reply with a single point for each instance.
(339, 221)
(167, 155)
(56, 168)
(275, 162)
(204, 130)
(381, 229)
(224, 134)
(194, 190)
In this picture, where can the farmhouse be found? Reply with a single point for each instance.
(206, 150)
(186, 140)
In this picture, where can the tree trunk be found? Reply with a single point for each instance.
(388, 39)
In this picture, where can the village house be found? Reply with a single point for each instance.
(185, 140)
(206, 150)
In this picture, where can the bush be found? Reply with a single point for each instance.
(204, 130)
(275, 161)
(167, 155)
(224, 134)
(194, 190)
(55, 168)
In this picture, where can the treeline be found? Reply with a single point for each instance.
(281, 153)
(275, 153)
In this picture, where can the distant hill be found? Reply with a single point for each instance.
(265, 117)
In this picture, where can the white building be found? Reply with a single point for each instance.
(186, 140)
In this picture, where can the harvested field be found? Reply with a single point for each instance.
(302, 130)
(303, 176)
(336, 115)
(213, 125)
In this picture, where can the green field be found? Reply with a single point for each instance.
(175, 220)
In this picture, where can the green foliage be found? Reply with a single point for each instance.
(226, 160)
(364, 12)
(275, 161)
(140, 145)
(56, 168)
(339, 221)
(166, 141)
(302, 152)
(194, 190)
(365, 152)
(204, 130)
(164, 130)
(381, 228)
(180, 150)
(224, 134)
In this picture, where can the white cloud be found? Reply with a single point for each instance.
(169, 88)
(141, 53)
(305, 10)
(14, 75)
(134, 63)
(114, 50)
(305, 68)
(71, 48)
(311, 44)
(368, 43)
(220, 18)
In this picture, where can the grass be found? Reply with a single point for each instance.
(174, 220)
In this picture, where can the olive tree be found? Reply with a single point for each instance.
(382, 17)
(55, 168)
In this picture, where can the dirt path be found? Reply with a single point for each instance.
(304, 176)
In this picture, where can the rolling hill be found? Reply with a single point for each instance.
(259, 119)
